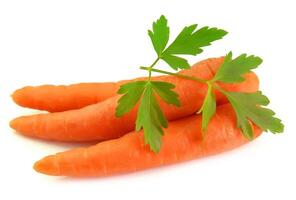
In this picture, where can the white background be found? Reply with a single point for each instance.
(61, 42)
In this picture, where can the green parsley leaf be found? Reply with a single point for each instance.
(151, 119)
(164, 90)
(208, 108)
(131, 95)
(189, 42)
(160, 34)
(232, 70)
(248, 106)
(176, 62)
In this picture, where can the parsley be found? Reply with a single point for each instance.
(208, 108)
(188, 42)
(232, 69)
(149, 117)
(132, 93)
(249, 107)
(160, 34)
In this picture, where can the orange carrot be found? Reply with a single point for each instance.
(182, 141)
(60, 98)
(98, 121)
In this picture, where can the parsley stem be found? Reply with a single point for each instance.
(154, 63)
(151, 66)
(174, 74)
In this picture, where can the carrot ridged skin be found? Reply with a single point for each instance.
(98, 121)
(57, 98)
(182, 141)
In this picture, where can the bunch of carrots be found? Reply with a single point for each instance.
(211, 107)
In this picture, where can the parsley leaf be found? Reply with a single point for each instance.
(149, 117)
(248, 106)
(131, 95)
(160, 34)
(175, 62)
(232, 70)
(189, 42)
(208, 108)
(164, 90)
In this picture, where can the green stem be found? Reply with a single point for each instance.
(151, 66)
(174, 74)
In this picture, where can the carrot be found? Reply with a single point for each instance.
(98, 121)
(60, 98)
(182, 141)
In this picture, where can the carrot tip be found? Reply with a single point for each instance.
(46, 166)
(13, 124)
(15, 96)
